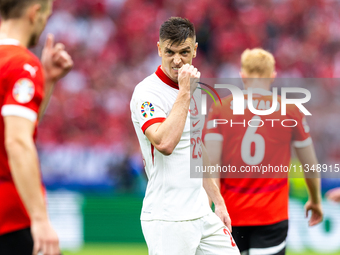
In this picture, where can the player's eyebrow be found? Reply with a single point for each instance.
(168, 49)
(185, 49)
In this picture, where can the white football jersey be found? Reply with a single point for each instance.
(171, 194)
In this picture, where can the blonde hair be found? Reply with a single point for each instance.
(257, 62)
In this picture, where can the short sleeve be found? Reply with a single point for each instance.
(211, 131)
(301, 137)
(147, 109)
(23, 90)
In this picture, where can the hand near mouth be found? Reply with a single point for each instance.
(188, 76)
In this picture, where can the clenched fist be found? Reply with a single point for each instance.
(188, 76)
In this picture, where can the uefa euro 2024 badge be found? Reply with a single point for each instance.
(147, 109)
(23, 90)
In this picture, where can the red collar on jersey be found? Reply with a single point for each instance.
(161, 75)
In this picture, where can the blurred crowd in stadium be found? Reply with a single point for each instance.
(113, 44)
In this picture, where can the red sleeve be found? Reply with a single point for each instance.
(301, 137)
(24, 88)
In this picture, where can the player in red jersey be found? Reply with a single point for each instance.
(258, 207)
(25, 88)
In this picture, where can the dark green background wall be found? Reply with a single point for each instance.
(110, 218)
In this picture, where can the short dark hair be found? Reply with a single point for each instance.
(12, 9)
(177, 30)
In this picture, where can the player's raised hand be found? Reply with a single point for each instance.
(45, 239)
(317, 213)
(55, 60)
(334, 195)
(188, 76)
(223, 214)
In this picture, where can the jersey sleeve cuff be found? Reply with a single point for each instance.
(151, 122)
(213, 137)
(20, 111)
(302, 144)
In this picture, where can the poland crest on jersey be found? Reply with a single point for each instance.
(147, 109)
(23, 90)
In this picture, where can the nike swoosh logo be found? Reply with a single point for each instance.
(194, 124)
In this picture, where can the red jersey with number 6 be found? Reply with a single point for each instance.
(253, 143)
(21, 93)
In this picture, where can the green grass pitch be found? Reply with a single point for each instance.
(111, 249)
(138, 249)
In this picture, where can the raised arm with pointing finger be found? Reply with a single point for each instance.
(56, 63)
(26, 86)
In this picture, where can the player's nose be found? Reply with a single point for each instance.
(177, 60)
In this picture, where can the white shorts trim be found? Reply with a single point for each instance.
(20, 111)
(267, 251)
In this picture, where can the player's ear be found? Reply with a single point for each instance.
(159, 49)
(195, 50)
(33, 12)
(273, 76)
(243, 76)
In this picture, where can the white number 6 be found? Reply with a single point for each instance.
(251, 137)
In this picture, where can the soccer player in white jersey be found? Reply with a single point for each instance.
(176, 216)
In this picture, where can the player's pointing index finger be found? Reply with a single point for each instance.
(49, 41)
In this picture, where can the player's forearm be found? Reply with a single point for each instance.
(209, 184)
(169, 133)
(309, 161)
(49, 86)
(23, 162)
(214, 151)
(314, 189)
(213, 192)
(211, 157)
